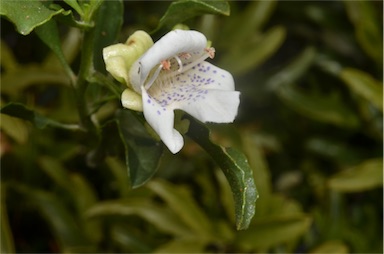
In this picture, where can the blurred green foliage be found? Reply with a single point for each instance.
(310, 123)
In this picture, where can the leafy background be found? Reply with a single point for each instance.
(310, 123)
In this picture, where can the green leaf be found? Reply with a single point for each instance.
(250, 55)
(49, 34)
(75, 5)
(183, 245)
(257, 161)
(365, 176)
(364, 85)
(59, 217)
(21, 111)
(268, 232)
(6, 243)
(255, 15)
(143, 153)
(294, 70)
(56, 171)
(236, 169)
(108, 24)
(368, 31)
(128, 240)
(14, 127)
(331, 247)
(180, 11)
(163, 218)
(81, 194)
(323, 108)
(119, 171)
(13, 82)
(27, 15)
(8, 61)
(182, 202)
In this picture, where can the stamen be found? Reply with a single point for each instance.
(208, 52)
(166, 64)
(154, 77)
(180, 64)
(185, 55)
(211, 52)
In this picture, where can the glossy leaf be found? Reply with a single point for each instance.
(179, 11)
(364, 85)
(251, 55)
(56, 171)
(14, 127)
(13, 82)
(108, 24)
(336, 247)
(319, 108)
(143, 153)
(75, 5)
(7, 60)
(20, 111)
(161, 217)
(128, 240)
(294, 70)
(6, 238)
(226, 196)
(365, 176)
(27, 15)
(182, 245)
(49, 34)
(260, 169)
(336, 150)
(268, 232)
(119, 171)
(367, 29)
(184, 205)
(256, 14)
(63, 224)
(236, 169)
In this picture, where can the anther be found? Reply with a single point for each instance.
(166, 65)
(185, 55)
(211, 52)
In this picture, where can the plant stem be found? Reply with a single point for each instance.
(86, 70)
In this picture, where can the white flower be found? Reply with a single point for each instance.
(173, 74)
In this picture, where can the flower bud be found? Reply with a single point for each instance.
(131, 100)
(119, 57)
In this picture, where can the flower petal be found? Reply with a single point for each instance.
(171, 44)
(161, 120)
(205, 91)
(208, 76)
(215, 106)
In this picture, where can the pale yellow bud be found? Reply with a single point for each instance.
(119, 57)
(131, 100)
